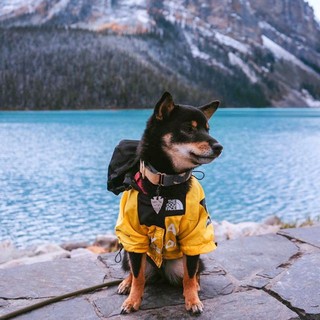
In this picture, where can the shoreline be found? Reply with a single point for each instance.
(11, 256)
(259, 277)
(97, 109)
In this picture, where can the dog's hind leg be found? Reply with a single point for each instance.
(191, 284)
(137, 265)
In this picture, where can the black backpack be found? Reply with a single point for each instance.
(124, 164)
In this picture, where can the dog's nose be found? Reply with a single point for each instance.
(216, 148)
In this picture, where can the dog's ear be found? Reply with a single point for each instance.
(210, 108)
(164, 106)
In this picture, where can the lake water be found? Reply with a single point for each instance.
(53, 168)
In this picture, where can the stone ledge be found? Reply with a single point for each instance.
(260, 277)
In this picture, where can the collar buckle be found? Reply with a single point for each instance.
(161, 179)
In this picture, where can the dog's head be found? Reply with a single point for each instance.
(178, 136)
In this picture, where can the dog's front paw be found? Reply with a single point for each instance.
(125, 286)
(194, 306)
(130, 305)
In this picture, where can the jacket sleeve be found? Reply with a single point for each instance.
(196, 228)
(130, 233)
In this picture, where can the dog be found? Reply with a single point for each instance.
(163, 223)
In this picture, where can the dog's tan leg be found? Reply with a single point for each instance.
(133, 302)
(198, 281)
(190, 290)
(125, 286)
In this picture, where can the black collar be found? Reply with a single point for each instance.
(163, 179)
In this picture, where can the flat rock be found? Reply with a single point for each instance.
(110, 304)
(249, 305)
(70, 246)
(113, 263)
(3, 303)
(14, 305)
(228, 231)
(82, 253)
(300, 285)
(309, 235)
(63, 254)
(49, 279)
(161, 295)
(245, 257)
(77, 308)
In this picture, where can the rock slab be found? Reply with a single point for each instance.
(246, 257)
(300, 285)
(49, 279)
(261, 277)
(309, 235)
(250, 305)
(78, 308)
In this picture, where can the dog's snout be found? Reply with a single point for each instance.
(216, 147)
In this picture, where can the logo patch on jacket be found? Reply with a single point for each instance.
(174, 205)
(157, 203)
(153, 211)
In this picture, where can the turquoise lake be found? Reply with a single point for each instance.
(53, 169)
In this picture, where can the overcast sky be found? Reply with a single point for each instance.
(316, 7)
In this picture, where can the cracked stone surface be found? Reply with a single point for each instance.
(77, 308)
(211, 286)
(300, 285)
(13, 305)
(114, 270)
(309, 235)
(3, 303)
(261, 277)
(249, 305)
(243, 258)
(48, 279)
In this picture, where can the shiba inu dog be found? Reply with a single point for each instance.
(163, 222)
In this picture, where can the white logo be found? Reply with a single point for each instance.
(172, 229)
(157, 203)
(170, 244)
(174, 205)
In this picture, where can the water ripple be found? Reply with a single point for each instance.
(53, 168)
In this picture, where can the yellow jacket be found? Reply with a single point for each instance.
(165, 228)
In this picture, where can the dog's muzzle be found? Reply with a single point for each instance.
(216, 148)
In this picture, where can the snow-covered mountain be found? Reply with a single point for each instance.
(272, 46)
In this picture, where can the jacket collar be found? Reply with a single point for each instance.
(162, 179)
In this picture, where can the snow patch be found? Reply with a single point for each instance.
(310, 101)
(58, 7)
(236, 61)
(281, 53)
(10, 7)
(266, 26)
(196, 53)
(230, 42)
(175, 12)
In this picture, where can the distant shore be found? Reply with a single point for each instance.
(112, 108)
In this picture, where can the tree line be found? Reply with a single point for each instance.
(76, 69)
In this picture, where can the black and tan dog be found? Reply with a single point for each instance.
(163, 222)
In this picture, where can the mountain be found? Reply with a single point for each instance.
(94, 53)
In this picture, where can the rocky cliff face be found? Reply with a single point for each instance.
(272, 46)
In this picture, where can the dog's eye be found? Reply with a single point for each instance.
(188, 128)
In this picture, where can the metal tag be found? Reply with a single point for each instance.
(157, 203)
